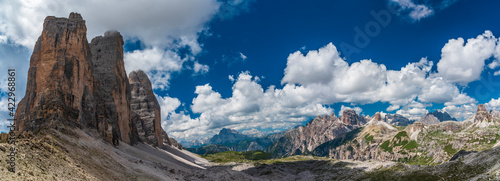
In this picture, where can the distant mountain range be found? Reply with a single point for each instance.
(232, 140)
(435, 138)
(436, 117)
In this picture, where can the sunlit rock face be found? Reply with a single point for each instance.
(60, 83)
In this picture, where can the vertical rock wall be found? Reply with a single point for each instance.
(145, 108)
(112, 88)
(85, 85)
(60, 82)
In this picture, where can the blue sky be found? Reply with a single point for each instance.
(261, 66)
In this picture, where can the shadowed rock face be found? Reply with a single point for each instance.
(170, 141)
(60, 83)
(145, 109)
(443, 116)
(112, 89)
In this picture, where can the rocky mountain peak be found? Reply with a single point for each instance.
(397, 120)
(377, 116)
(350, 117)
(482, 115)
(228, 131)
(60, 82)
(442, 116)
(227, 136)
(429, 119)
(82, 85)
(481, 108)
(436, 117)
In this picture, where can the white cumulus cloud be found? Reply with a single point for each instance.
(462, 62)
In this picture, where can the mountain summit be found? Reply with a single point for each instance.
(436, 117)
(77, 84)
(227, 136)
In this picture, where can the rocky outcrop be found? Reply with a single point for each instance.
(145, 109)
(414, 129)
(320, 130)
(170, 141)
(360, 144)
(397, 120)
(434, 142)
(482, 115)
(450, 126)
(436, 117)
(60, 82)
(349, 117)
(112, 89)
(84, 85)
(429, 119)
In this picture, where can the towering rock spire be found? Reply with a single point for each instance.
(74, 83)
(145, 109)
(482, 115)
(112, 89)
(60, 82)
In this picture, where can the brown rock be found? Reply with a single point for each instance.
(85, 86)
(146, 108)
(60, 82)
(482, 115)
(350, 117)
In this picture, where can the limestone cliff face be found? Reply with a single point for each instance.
(318, 131)
(145, 109)
(112, 89)
(60, 82)
(85, 85)
(435, 142)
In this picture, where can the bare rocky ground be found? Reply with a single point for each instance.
(64, 154)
